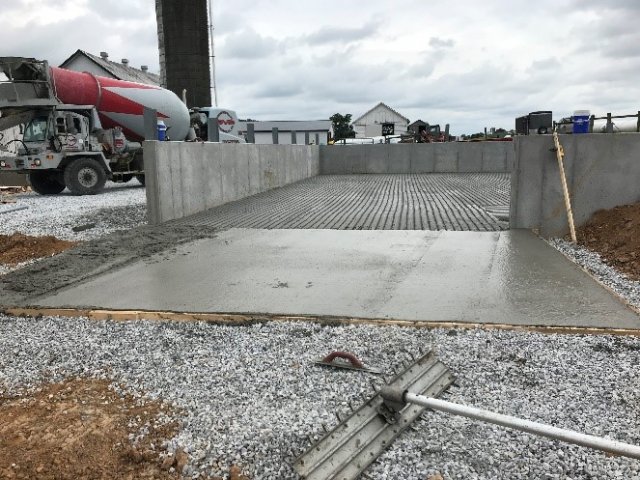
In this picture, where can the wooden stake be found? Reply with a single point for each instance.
(565, 188)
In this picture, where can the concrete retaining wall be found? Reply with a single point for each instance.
(602, 172)
(453, 157)
(184, 178)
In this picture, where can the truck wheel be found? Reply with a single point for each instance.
(46, 182)
(140, 178)
(85, 176)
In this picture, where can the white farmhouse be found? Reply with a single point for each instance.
(380, 120)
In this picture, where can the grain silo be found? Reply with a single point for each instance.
(183, 40)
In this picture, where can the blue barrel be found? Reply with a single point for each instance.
(581, 121)
(162, 131)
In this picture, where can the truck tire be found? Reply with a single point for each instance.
(46, 182)
(85, 176)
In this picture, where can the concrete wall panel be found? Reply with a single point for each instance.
(186, 178)
(253, 161)
(230, 177)
(470, 157)
(152, 188)
(446, 157)
(211, 175)
(377, 158)
(342, 159)
(497, 159)
(241, 155)
(192, 180)
(451, 157)
(423, 160)
(399, 158)
(268, 165)
(313, 161)
(601, 169)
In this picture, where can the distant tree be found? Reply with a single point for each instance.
(342, 126)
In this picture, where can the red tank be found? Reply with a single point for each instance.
(120, 103)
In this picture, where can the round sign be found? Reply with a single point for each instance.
(225, 122)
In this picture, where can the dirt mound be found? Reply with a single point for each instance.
(615, 235)
(81, 428)
(18, 248)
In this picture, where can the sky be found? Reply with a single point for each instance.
(467, 63)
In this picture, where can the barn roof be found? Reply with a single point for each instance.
(118, 70)
(381, 104)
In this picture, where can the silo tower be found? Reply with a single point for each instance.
(184, 44)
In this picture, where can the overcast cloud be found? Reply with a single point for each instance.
(460, 62)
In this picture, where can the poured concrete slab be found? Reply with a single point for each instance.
(490, 277)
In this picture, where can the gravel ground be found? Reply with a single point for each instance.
(628, 289)
(251, 395)
(117, 210)
(119, 207)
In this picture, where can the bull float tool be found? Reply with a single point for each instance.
(346, 451)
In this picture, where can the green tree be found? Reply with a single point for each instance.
(342, 126)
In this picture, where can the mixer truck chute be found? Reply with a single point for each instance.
(80, 129)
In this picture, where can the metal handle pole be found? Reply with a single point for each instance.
(569, 436)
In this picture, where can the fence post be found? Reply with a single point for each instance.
(251, 133)
(150, 119)
(638, 123)
(609, 123)
(592, 120)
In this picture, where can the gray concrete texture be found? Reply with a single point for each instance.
(487, 277)
(439, 201)
(602, 172)
(451, 157)
(184, 178)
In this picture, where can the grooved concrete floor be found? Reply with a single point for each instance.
(440, 201)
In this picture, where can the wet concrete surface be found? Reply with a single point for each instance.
(508, 277)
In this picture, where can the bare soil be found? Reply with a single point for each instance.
(18, 248)
(615, 235)
(81, 428)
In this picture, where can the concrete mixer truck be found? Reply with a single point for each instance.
(80, 129)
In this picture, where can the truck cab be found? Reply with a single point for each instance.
(66, 146)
